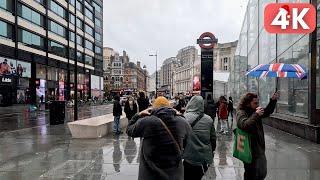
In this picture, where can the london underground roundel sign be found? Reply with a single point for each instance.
(207, 40)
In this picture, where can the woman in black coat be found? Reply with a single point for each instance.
(130, 108)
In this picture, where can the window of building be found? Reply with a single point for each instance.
(88, 13)
(72, 53)
(88, 5)
(6, 5)
(30, 15)
(79, 23)
(225, 68)
(98, 50)
(79, 57)
(225, 60)
(79, 40)
(79, 6)
(294, 92)
(57, 49)
(89, 45)
(72, 19)
(72, 2)
(41, 72)
(89, 60)
(56, 8)
(98, 22)
(97, 7)
(57, 28)
(88, 29)
(5, 30)
(40, 1)
(72, 36)
(30, 39)
(52, 74)
(97, 37)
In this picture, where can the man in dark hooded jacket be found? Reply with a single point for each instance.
(162, 144)
(249, 119)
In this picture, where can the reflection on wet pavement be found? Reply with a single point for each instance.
(49, 152)
(17, 117)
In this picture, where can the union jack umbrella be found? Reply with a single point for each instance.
(280, 70)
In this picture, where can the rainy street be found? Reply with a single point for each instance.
(49, 152)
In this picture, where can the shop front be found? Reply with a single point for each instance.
(15, 77)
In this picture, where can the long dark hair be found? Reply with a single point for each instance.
(246, 100)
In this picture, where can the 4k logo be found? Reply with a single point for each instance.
(298, 18)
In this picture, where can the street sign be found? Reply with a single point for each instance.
(207, 40)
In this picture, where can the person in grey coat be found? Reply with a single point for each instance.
(199, 151)
(161, 152)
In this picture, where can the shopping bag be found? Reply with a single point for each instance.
(242, 146)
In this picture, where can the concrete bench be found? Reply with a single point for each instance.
(95, 127)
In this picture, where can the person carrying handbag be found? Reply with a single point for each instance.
(199, 151)
(164, 132)
(249, 120)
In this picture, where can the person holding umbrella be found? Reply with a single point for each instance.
(249, 119)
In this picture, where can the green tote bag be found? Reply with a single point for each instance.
(242, 146)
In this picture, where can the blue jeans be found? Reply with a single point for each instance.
(116, 124)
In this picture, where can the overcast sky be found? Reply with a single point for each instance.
(142, 27)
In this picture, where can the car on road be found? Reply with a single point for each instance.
(123, 100)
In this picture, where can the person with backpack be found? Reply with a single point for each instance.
(249, 119)
(199, 151)
(164, 132)
(117, 112)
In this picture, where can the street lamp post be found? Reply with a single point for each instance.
(156, 55)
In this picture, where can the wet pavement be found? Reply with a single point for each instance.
(49, 152)
(18, 117)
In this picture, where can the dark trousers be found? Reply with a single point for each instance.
(192, 172)
(257, 169)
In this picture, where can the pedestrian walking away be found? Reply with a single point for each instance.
(199, 151)
(210, 108)
(164, 132)
(117, 112)
(223, 115)
(143, 102)
(249, 119)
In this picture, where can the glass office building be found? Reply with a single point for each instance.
(42, 42)
(298, 109)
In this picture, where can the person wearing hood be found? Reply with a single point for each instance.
(199, 151)
(164, 132)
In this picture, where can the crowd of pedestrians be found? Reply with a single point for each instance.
(179, 138)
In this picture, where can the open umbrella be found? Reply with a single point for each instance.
(279, 70)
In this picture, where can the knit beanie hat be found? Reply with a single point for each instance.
(161, 102)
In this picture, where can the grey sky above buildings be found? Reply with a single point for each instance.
(142, 27)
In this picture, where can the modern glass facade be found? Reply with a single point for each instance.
(44, 42)
(256, 46)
